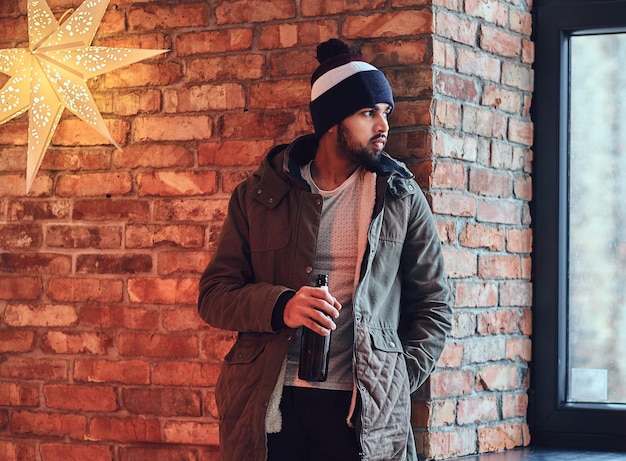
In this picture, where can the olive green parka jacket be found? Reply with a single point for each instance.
(401, 304)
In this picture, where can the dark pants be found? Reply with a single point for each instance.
(314, 427)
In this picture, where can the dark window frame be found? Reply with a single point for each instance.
(553, 421)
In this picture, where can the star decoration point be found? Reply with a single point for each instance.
(50, 75)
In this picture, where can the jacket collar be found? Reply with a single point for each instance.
(280, 170)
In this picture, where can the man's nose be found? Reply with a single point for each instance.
(382, 124)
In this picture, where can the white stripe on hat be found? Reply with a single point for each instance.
(336, 75)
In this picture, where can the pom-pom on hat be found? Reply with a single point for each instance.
(342, 84)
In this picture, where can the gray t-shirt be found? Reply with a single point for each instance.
(336, 256)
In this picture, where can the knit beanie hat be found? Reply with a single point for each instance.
(342, 84)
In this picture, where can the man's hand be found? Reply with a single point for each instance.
(314, 308)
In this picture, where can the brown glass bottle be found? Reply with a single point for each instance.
(315, 349)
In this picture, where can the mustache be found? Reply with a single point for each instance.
(379, 136)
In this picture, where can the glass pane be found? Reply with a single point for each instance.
(597, 220)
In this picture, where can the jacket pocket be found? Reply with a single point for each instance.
(386, 340)
(270, 230)
(238, 381)
(244, 351)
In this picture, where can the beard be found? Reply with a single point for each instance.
(367, 157)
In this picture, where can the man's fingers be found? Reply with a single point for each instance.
(322, 319)
(317, 328)
(313, 308)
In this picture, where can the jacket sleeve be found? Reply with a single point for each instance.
(230, 297)
(426, 299)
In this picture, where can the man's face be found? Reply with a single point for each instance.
(362, 136)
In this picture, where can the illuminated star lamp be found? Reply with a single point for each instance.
(51, 74)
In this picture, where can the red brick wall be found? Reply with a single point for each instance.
(102, 355)
(480, 189)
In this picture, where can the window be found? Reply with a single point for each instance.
(578, 390)
(596, 294)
